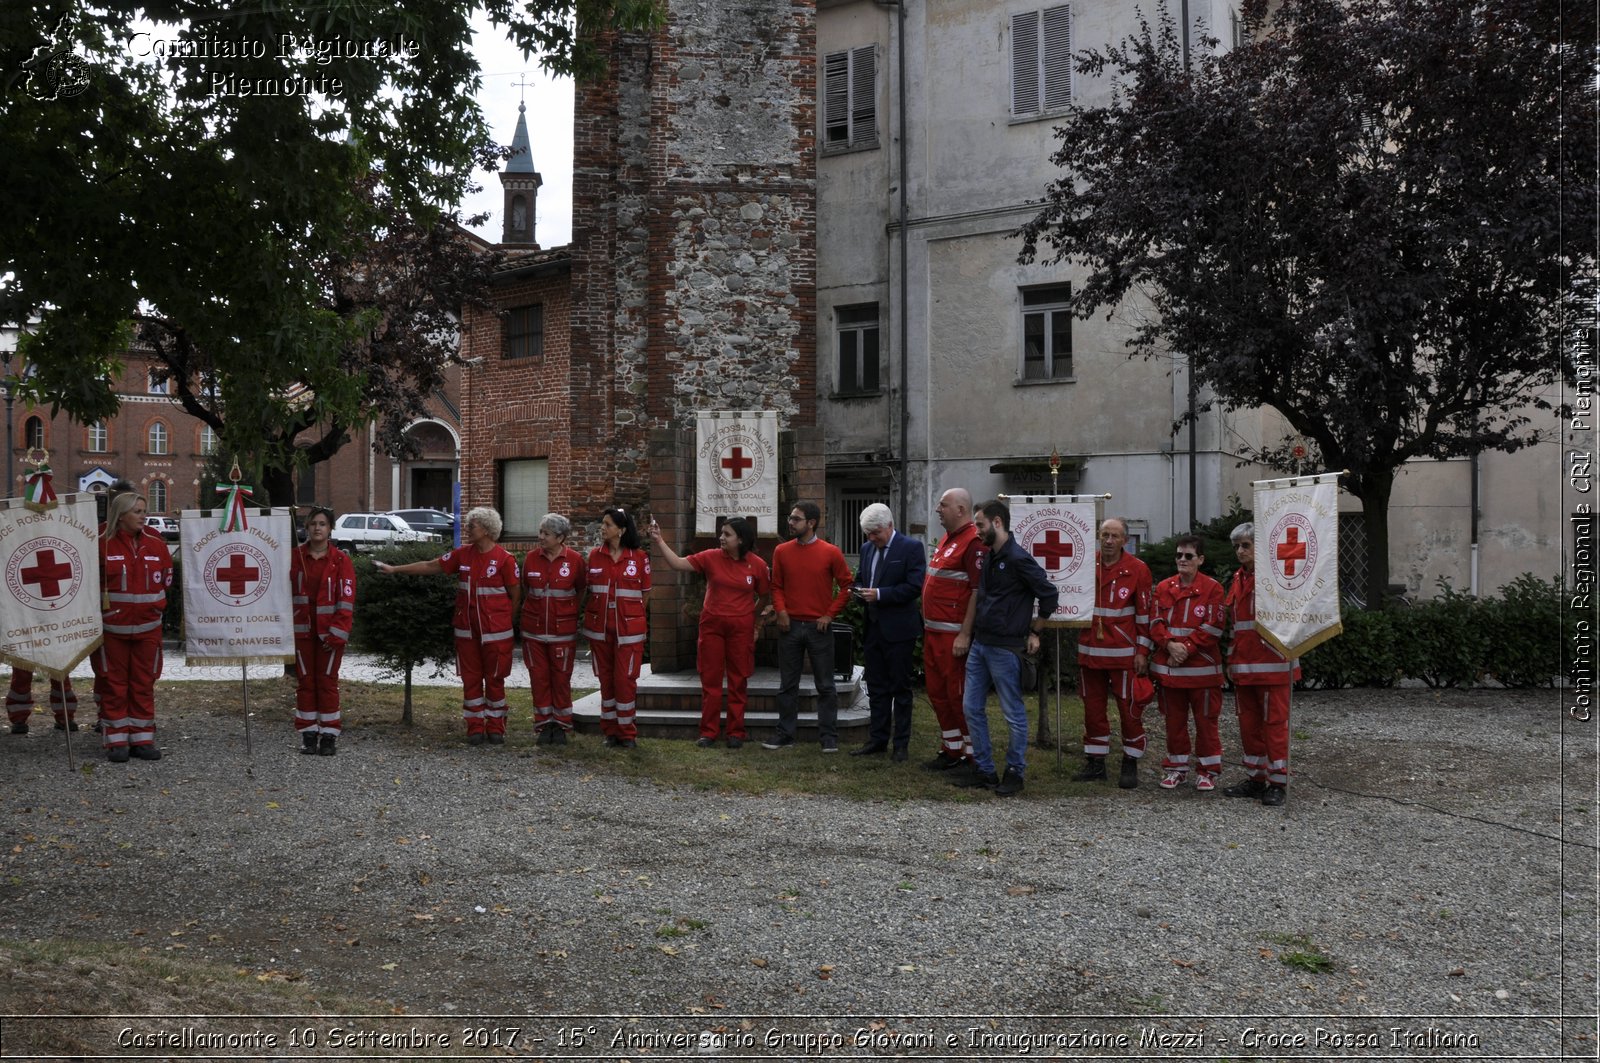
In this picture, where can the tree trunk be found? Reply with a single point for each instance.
(1374, 492)
(278, 487)
(405, 713)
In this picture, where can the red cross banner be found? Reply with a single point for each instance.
(1058, 531)
(1297, 561)
(50, 607)
(237, 603)
(736, 465)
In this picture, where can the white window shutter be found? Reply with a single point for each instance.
(836, 99)
(1025, 63)
(1057, 57)
(864, 95)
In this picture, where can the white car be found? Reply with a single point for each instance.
(353, 531)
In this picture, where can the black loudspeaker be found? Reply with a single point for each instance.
(844, 651)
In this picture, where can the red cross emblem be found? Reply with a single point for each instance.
(1291, 550)
(1051, 549)
(47, 574)
(736, 463)
(238, 574)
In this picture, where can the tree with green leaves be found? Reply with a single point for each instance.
(404, 621)
(247, 185)
(1369, 216)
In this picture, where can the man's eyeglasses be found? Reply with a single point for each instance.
(1186, 557)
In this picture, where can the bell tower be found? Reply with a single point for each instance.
(521, 183)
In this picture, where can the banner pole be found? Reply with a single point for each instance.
(244, 681)
(70, 720)
(1058, 699)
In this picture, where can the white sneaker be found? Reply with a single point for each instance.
(1204, 783)
(1172, 780)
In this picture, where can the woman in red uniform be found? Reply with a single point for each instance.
(135, 572)
(324, 585)
(615, 623)
(736, 582)
(487, 597)
(552, 581)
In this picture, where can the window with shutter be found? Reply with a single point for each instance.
(850, 99)
(1041, 61)
(857, 338)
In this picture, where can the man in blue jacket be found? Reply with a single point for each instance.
(889, 583)
(1004, 627)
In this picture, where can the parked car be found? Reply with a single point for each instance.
(166, 527)
(436, 521)
(355, 531)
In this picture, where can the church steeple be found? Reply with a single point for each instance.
(521, 183)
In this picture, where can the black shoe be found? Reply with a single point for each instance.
(496, 739)
(778, 741)
(871, 749)
(612, 741)
(830, 745)
(329, 746)
(1010, 785)
(1094, 769)
(1128, 777)
(477, 738)
(99, 727)
(972, 778)
(1275, 796)
(308, 743)
(117, 754)
(940, 762)
(735, 743)
(558, 737)
(706, 743)
(627, 743)
(1248, 788)
(900, 756)
(149, 752)
(545, 737)
(70, 725)
(19, 728)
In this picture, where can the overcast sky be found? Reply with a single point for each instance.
(549, 130)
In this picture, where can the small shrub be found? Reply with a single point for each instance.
(1362, 656)
(404, 621)
(1521, 632)
(1441, 641)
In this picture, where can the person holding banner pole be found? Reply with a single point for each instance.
(615, 622)
(488, 593)
(324, 587)
(136, 570)
(1114, 656)
(553, 581)
(1262, 678)
(1186, 627)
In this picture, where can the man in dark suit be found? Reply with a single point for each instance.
(889, 582)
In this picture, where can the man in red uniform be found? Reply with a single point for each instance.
(1186, 627)
(948, 605)
(136, 570)
(487, 596)
(810, 588)
(1262, 678)
(552, 580)
(19, 702)
(324, 584)
(1111, 652)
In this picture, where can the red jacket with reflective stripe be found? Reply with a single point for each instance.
(1120, 629)
(483, 593)
(324, 607)
(952, 578)
(135, 573)
(550, 595)
(1252, 660)
(1191, 615)
(617, 590)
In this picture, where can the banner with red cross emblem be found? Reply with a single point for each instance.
(237, 604)
(1297, 561)
(736, 467)
(1058, 531)
(50, 608)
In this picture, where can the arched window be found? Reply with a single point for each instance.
(157, 437)
(208, 440)
(157, 496)
(33, 433)
(97, 438)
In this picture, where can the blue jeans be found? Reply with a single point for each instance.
(1002, 667)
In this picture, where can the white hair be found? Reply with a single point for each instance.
(876, 516)
(486, 518)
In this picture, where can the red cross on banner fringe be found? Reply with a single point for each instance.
(1291, 551)
(1052, 549)
(736, 463)
(237, 574)
(47, 574)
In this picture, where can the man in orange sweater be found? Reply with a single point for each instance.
(810, 586)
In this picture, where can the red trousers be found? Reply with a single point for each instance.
(19, 699)
(1098, 686)
(616, 666)
(947, 685)
(316, 698)
(483, 667)
(727, 646)
(130, 666)
(1264, 731)
(550, 669)
(1205, 704)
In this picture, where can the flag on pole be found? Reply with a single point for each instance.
(236, 598)
(1059, 532)
(736, 459)
(1297, 561)
(50, 605)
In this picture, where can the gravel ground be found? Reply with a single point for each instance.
(1437, 861)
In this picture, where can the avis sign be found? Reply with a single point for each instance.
(1060, 535)
(50, 562)
(1297, 561)
(236, 595)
